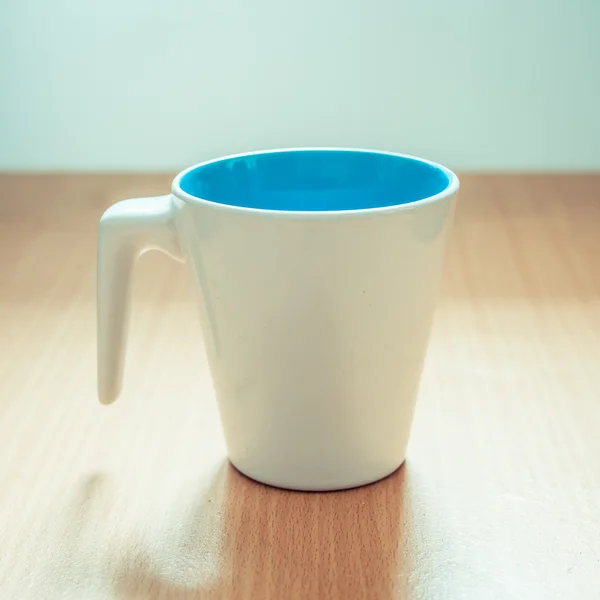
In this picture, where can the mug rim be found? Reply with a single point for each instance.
(448, 191)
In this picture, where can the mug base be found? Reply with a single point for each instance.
(320, 487)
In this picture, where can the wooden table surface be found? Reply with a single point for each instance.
(500, 494)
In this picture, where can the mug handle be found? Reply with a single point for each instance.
(127, 229)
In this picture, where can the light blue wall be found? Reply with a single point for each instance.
(145, 85)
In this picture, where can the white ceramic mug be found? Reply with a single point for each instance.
(318, 271)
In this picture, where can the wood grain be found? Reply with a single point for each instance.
(500, 495)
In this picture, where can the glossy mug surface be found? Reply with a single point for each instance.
(317, 272)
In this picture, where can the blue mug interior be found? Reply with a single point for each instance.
(315, 180)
